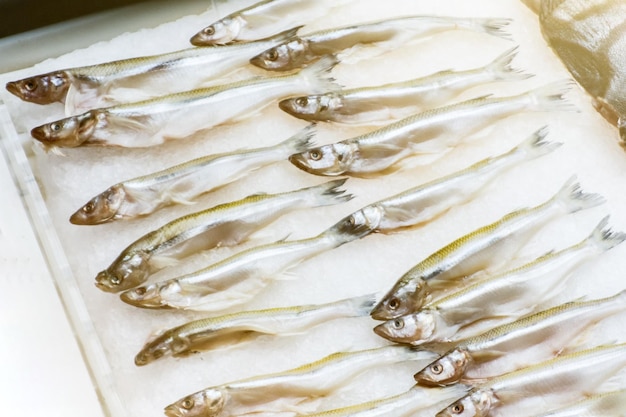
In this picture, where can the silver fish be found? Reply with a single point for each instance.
(263, 19)
(205, 334)
(505, 296)
(290, 389)
(223, 225)
(182, 183)
(608, 404)
(425, 202)
(176, 116)
(432, 132)
(521, 343)
(239, 278)
(135, 79)
(554, 382)
(494, 243)
(416, 400)
(372, 105)
(301, 50)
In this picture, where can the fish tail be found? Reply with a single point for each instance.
(551, 97)
(317, 75)
(536, 145)
(574, 199)
(363, 304)
(328, 193)
(604, 238)
(299, 142)
(493, 27)
(502, 70)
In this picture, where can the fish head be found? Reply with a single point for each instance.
(147, 296)
(284, 57)
(415, 329)
(128, 271)
(446, 370)
(406, 296)
(41, 89)
(103, 208)
(316, 107)
(69, 132)
(361, 222)
(168, 343)
(221, 32)
(205, 403)
(477, 403)
(330, 160)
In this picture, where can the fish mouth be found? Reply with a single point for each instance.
(135, 297)
(199, 40)
(300, 162)
(39, 133)
(379, 313)
(172, 411)
(13, 88)
(103, 282)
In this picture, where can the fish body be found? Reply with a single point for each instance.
(182, 183)
(300, 51)
(397, 100)
(430, 132)
(608, 404)
(152, 122)
(262, 19)
(478, 250)
(505, 296)
(292, 388)
(204, 334)
(135, 79)
(415, 400)
(423, 203)
(223, 225)
(589, 38)
(556, 381)
(240, 277)
(521, 343)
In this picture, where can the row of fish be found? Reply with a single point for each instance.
(480, 335)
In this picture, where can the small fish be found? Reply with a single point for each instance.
(239, 278)
(556, 381)
(182, 183)
(371, 105)
(494, 243)
(176, 116)
(294, 387)
(205, 334)
(300, 51)
(608, 404)
(263, 19)
(521, 343)
(431, 132)
(425, 202)
(223, 225)
(416, 401)
(505, 296)
(134, 79)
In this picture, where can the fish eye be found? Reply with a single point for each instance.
(140, 291)
(30, 85)
(352, 221)
(457, 408)
(398, 324)
(302, 101)
(315, 155)
(55, 127)
(187, 404)
(437, 369)
(210, 31)
(394, 303)
(115, 280)
(272, 55)
(89, 207)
